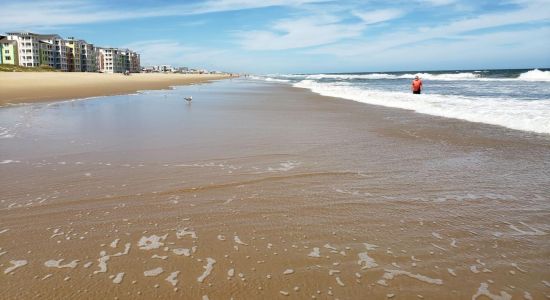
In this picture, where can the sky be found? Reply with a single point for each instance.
(302, 36)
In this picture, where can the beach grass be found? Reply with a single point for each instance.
(16, 68)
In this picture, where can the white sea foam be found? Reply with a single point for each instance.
(103, 258)
(6, 133)
(390, 274)
(516, 114)
(57, 264)
(315, 252)
(182, 251)
(276, 80)
(14, 265)
(284, 166)
(532, 75)
(118, 278)
(483, 290)
(181, 233)
(339, 281)
(114, 243)
(535, 75)
(238, 241)
(151, 242)
(429, 76)
(126, 250)
(173, 278)
(153, 272)
(207, 269)
(365, 261)
(534, 231)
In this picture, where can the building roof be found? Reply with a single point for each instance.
(49, 36)
(4, 40)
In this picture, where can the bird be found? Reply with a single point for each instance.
(188, 99)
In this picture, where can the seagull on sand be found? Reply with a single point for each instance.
(188, 99)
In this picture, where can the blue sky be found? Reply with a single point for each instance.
(303, 36)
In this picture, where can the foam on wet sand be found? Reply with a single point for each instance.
(15, 264)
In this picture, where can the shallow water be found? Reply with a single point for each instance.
(258, 191)
(516, 99)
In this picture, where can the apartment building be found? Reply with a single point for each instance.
(130, 60)
(53, 51)
(135, 64)
(32, 50)
(74, 48)
(8, 51)
(28, 48)
(110, 60)
(88, 57)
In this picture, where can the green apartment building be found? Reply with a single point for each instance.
(8, 50)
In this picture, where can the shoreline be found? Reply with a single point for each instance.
(33, 87)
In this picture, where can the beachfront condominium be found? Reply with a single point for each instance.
(34, 50)
(115, 60)
(74, 54)
(135, 63)
(53, 51)
(130, 60)
(110, 60)
(88, 57)
(8, 51)
(28, 48)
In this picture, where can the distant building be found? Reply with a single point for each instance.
(28, 48)
(88, 57)
(8, 51)
(110, 60)
(32, 50)
(130, 60)
(74, 49)
(53, 51)
(135, 64)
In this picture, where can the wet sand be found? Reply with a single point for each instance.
(28, 87)
(262, 191)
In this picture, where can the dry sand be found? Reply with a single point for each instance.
(22, 87)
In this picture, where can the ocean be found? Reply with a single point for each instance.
(516, 99)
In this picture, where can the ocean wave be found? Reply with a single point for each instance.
(6, 133)
(532, 75)
(531, 116)
(276, 80)
(352, 76)
(375, 76)
(535, 75)
(267, 78)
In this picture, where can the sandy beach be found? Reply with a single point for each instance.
(25, 87)
(265, 191)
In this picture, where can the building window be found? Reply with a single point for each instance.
(8, 57)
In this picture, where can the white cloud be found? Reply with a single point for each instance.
(534, 12)
(17, 15)
(512, 49)
(438, 2)
(160, 52)
(378, 16)
(299, 33)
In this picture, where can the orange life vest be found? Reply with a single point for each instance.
(417, 85)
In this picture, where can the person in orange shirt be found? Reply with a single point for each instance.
(416, 86)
